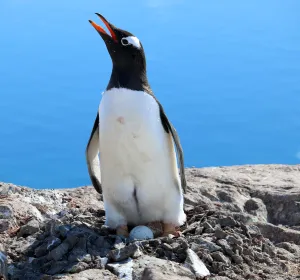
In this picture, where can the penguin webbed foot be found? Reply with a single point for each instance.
(171, 229)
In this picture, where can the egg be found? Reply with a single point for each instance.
(141, 233)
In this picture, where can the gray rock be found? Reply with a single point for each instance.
(49, 243)
(6, 212)
(61, 250)
(117, 255)
(225, 246)
(234, 240)
(3, 263)
(122, 269)
(237, 259)
(89, 274)
(279, 234)
(232, 200)
(30, 228)
(292, 248)
(220, 234)
(205, 244)
(256, 207)
(75, 267)
(196, 265)
(219, 257)
(227, 222)
(4, 225)
(170, 270)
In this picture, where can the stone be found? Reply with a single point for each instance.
(227, 222)
(169, 269)
(4, 225)
(153, 274)
(123, 269)
(30, 228)
(205, 244)
(76, 267)
(225, 209)
(219, 257)
(292, 248)
(124, 253)
(61, 250)
(220, 234)
(237, 259)
(3, 263)
(49, 243)
(89, 274)
(225, 246)
(256, 207)
(196, 265)
(6, 212)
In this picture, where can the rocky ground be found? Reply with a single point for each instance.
(243, 223)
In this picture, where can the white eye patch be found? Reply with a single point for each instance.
(131, 40)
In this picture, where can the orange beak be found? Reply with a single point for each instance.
(101, 30)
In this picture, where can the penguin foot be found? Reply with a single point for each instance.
(123, 231)
(171, 229)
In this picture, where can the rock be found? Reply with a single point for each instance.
(122, 269)
(220, 234)
(225, 246)
(153, 274)
(95, 274)
(292, 248)
(279, 234)
(75, 267)
(30, 228)
(205, 244)
(169, 269)
(226, 209)
(237, 259)
(58, 252)
(256, 207)
(227, 222)
(49, 243)
(6, 212)
(3, 263)
(219, 257)
(195, 264)
(4, 225)
(124, 253)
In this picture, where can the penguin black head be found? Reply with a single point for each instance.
(126, 50)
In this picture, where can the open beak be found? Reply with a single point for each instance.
(109, 26)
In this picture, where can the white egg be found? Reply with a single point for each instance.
(141, 233)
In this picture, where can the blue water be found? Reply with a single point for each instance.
(227, 73)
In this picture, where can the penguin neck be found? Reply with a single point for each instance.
(129, 79)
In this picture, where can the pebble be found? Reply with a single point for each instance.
(219, 257)
(195, 264)
(30, 228)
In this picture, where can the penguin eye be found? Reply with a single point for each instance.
(124, 42)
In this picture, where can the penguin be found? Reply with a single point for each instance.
(134, 151)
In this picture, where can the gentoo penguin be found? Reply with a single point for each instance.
(139, 176)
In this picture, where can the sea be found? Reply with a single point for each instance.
(226, 72)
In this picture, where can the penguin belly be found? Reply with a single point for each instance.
(138, 179)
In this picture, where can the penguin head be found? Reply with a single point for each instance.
(125, 49)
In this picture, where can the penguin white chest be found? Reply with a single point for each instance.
(130, 127)
(138, 179)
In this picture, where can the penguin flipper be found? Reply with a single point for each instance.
(92, 158)
(173, 137)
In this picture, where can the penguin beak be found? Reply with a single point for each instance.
(101, 30)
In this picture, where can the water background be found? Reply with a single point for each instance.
(227, 73)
